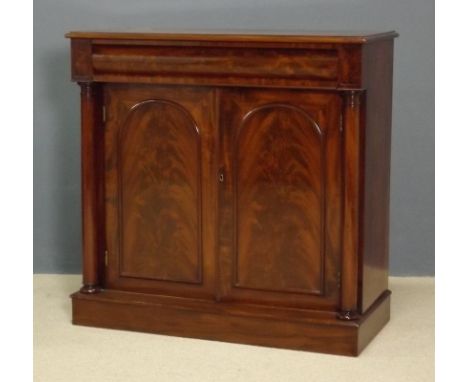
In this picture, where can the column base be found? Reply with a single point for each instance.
(90, 289)
(347, 315)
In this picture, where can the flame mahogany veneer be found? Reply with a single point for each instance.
(236, 186)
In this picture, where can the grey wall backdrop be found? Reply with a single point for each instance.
(57, 224)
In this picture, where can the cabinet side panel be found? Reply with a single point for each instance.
(377, 76)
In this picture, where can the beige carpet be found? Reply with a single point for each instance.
(403, 351)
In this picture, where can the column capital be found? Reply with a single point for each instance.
(353, 97)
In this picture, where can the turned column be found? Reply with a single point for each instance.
(351, 183)
(89, 186)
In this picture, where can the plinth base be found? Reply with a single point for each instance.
(230, 322)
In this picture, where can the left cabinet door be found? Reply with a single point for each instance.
(160, 189)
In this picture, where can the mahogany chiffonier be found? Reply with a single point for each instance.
(235, 187)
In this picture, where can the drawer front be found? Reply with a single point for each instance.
(271, 63)
(206, 65)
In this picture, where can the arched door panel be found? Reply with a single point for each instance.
(280, 201)
(159, 223)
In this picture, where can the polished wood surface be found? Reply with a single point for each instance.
(276, 63)
(378, 75)
(236, 186)
(351, 205)
(246, 324)
(267, 36)
(91, 186)
(280, 198)
(160, 187)
(158, 159)
(268, 60)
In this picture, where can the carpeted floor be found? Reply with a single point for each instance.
(403, 351)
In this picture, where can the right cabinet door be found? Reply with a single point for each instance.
(280, 197)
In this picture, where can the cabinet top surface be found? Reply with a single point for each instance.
(258, 36)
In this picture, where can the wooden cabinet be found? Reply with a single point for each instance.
(236, 186)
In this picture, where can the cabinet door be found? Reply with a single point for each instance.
(160, 189)
(280, 200)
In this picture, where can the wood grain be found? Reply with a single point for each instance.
(159, 186)
(147, 60)
(160, 224)
(281, 161)
(273, 327)
(225, 59)
(280, 200)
